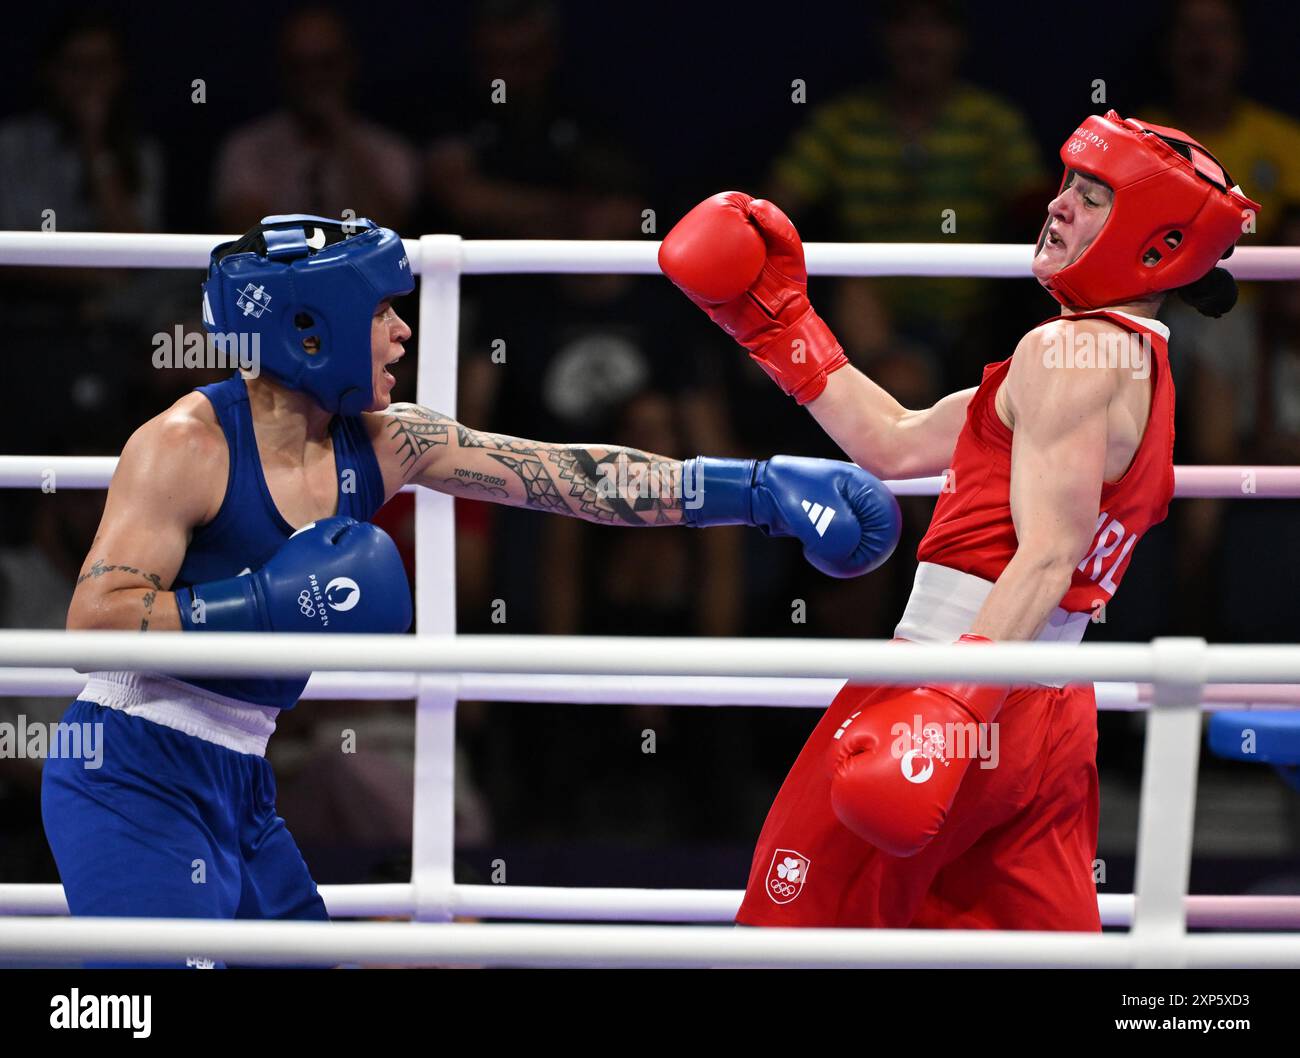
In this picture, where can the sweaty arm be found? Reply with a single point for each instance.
(169, 477)
(598, 483)
(1058, 461)
(882, 436)
(613, 485)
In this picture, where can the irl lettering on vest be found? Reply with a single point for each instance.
(1108, 536)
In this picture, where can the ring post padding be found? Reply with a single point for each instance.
(1168, 800)
(433, 818)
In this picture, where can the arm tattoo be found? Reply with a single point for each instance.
(600, 483)
(467, 438)
(538, 486)
(98, 568)
(471, 481)
(416, 430)
(615, 485)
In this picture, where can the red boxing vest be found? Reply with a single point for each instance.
(972, 531)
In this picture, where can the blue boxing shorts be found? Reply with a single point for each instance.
(171, 825)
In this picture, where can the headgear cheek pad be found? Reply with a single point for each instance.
(297, 277)
(1175, 212)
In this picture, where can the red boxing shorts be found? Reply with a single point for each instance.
(1015, 852)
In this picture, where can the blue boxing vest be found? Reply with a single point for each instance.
(248, 529)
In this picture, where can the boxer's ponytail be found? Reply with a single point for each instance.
(1213, 294)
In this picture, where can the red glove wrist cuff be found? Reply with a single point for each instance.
(983, 701)
(801, 356)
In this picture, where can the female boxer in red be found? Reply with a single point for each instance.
(965, 806)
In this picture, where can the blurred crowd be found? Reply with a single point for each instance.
(514, 152)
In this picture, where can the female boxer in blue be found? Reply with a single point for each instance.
(244, 507)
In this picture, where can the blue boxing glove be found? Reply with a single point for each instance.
(334, 575)
(846, 519)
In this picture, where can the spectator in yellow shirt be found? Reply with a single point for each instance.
(922, 157)
(1258, 145)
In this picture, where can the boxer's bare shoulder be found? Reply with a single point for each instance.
(190, 421)
(1062, 356)
(1075, 340)
(180, 454)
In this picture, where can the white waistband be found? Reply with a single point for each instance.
(944, 603)
(227, 722)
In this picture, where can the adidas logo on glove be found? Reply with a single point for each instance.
(820, 516)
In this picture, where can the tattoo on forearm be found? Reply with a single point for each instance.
(541, 492)
(599, 483)
(99, 569)
(416, 430)
(467, 438)
(584, 472)
(474, 481)
(619, 485)
(477, 477)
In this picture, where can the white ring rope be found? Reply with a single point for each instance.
(592, 904)
(51, 473)
(415, 944)
(746, 691)
(1174, 661)
(627, 257)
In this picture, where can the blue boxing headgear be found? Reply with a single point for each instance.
(297, 277)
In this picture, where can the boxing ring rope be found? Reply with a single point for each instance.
(1173, 662)
(775, 691)
(410, 944)
(652, 905)
(438, 668)
(1190, 482)
(577, 256)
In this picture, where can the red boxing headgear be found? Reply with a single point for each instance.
(1172, 217)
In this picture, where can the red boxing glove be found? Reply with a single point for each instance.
(741, 261)
(897, 764)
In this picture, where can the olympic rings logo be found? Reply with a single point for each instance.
(782, 888)
(305, 604)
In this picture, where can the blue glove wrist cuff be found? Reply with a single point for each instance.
(717, 491)
(230, 605)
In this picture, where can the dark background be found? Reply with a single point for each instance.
(678, 77)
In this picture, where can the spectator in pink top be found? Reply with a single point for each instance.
(316, 154)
